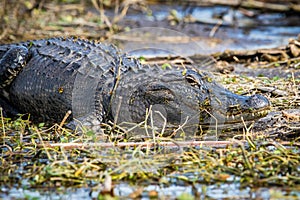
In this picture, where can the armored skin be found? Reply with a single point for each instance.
(99, 83)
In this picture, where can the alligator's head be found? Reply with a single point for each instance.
(183, 97)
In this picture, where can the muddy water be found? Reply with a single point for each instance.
(211, 29)
(222, 191)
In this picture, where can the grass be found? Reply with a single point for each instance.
(50, 157)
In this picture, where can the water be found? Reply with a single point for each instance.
(123, 190)
(233, 30)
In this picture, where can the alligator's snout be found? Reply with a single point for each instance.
(233, 109)
(246, 108)
(257, 102)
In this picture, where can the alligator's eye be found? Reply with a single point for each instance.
(158, 93)
(192, 80)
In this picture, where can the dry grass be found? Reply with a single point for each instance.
(50, 157)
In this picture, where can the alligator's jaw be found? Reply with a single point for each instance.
(236, 111)
(246, 117)
(236, 121)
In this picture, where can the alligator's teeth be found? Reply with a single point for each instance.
(227, 116)
(252, 114)
(232, 116)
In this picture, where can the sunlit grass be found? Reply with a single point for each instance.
(26, 153)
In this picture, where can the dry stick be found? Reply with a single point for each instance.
(121, 15)
(64, 119)
(135, 126)
(286, 143)
(3, 127)
(148, 112)
(44, 145)
(100, 8)
(281, 62)
(216, 135)
(272, 6)
(165, 122)
(117, 112)
(143, 144)
(215, 28)
(4, 33)
(113, 94)
(246, 133)
(294, 86)
(152, 126)
(180, 127)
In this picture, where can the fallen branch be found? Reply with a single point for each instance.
(278, 6)
(219, 144)
(283, 54)
(144, 144)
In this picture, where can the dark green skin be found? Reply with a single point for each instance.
(47, 78)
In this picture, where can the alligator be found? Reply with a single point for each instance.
(99, 83)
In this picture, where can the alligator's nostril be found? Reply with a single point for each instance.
(258, 101)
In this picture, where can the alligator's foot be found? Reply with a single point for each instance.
(86, 123)
(7, 110)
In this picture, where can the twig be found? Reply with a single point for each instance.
(216, 124)
(3, 127)
(282, 6)
(246, 133)
(142, 144)
(215, 28)
(294, 87)
(165, 122)
(117, 112)
(180, 127)
(44, 145)
(64, 120)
